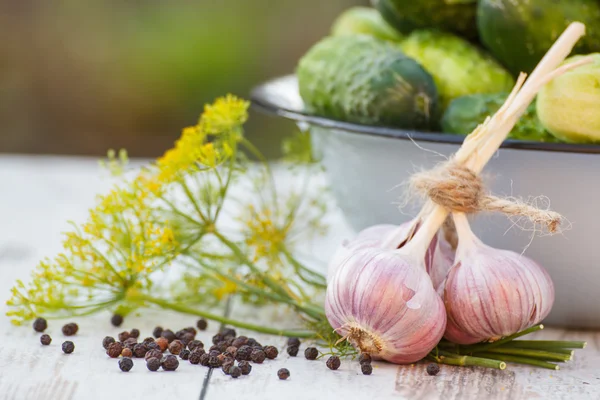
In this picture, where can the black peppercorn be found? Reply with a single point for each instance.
(40, 325)
(311, 353)
(123, 336)
(114, 350)
(231, 351)
(243, 353)
(116, 320)
(127, 353)
(433, 369)
(184, 354)
(218, 338)
(252, 342)
(245, 367)
(140, 350)
(257, 356)
(135, 333)
(283, 373)
(222, 346)
(154, 353)
(271, 352)
(157, 331)
(239, 341)
(333, 362)
(125, 364)
(148, 340)
(152, 346)
(195, 356)
(191, 330)
(153, 364)
(214, 347)
(214, 362)
(227, 364)
(162, 343)
(107, 341)
(292, 351)
(45, 339)
(364, 358)
(187, 338)
(70, 329)
(175, 347)
(194, 344)
(293, 341)
(235, 372)
(214, 353)
(130, 343)
(170, 363)
(168, 334)
(68, 347)
(204, 359)
(366, 368)
(202, 324)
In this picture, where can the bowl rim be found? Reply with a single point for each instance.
(265, 100)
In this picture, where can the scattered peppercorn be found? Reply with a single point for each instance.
(333, 362)
(252, 342)
(135, 333)
(222, 357)
(125, 364)
(168, 334)
(283, 373)
(184, 354)
(292, 351)
(126, 352)
(154, 353)
(70, 329)
(162, 343)
(293, 341)
(217, 338)
(204, 359)
(245, 367)
(130, 343)
(170, 363)
(433, 369)
(366, 368)
(214, 362)
(311, 353)
(40, 325)
(116, 320)
(243, 353)
(123, 336)
(214, 347)
(227, 364)
(364, 358)
(239, 341)
(202, 324)
(190, 329)
(153, 364)
(271, 352)
(157, 331)
(175, 347)
(187, 338)
(152, 346)
(214, 353)
(107, 341)
(228, 332)
(68, 347)
(258, 356)
(195, 357)
(45, 339)
(235, 371)
(140, 350)
(114, 350)
(222, 346)
(231, 351)
(148, 340)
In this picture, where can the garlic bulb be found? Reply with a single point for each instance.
(382, 301)
(438, 260)
(491, 293)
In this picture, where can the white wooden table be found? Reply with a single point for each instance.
(39, 194)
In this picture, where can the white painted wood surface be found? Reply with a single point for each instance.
(39, 194)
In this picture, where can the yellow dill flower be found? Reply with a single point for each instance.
(264, 235)
(224, 115)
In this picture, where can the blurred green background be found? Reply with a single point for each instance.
(79, 76)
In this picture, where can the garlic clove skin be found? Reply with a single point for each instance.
(491, 293)
(438, 260)
(384, 303)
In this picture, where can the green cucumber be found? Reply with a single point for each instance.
(457, 16)
(365, 80)
(518, 32)
(364, 20)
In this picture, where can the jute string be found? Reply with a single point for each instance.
(459, 189)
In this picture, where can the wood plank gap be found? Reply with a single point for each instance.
(206, 381)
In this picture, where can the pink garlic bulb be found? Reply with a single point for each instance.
(491, 293)
(382, 301)
(438, 260)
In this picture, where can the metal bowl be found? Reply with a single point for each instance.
(366, 164)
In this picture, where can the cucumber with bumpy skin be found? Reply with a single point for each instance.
(364, 20)
(367, 81)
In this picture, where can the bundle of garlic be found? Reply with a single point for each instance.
(394, 292)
